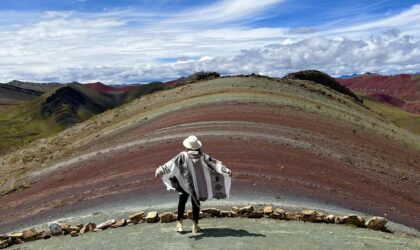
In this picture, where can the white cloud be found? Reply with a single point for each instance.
(127, 46)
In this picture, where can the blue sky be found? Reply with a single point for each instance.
(129, 41)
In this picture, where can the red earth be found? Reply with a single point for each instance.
(105, 88)
(404, 87)
(272, 150)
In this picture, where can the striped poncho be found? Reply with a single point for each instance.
(201, 176)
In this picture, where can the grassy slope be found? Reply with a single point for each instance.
(396, 115)
(296, 93)
(22, 123)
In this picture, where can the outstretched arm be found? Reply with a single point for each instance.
(216, 165)
(168, 167)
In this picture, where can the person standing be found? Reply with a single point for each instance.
(197, 175)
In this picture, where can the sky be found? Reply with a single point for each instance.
(128, 41)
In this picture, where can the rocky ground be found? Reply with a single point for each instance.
(234, 233)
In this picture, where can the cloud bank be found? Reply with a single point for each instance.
(127, 46)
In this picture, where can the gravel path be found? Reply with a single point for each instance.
(233, 233)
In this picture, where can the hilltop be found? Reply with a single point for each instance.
(281, 137)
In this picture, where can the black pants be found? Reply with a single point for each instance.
(183, 198)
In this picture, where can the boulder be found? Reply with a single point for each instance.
(4, 236)
(234, 214)
(88, 227)
(17, 235)
(43, 235)
(167, 217)
(152, 217)
(339, 220)
(137, 217)
(377, 223)
(74, 233)
(65, 228)
(291, 216)
(246, 210)
(79, 226)
(29, 234)
(308, 215)
(268, 210)
(319, 218)
(235, 209)
(97, 230)
(352, 219)
(330, 218)
(105, 225)
(55, 229)
(225, 213)
(211, 212)
(120, 223)
(71, 229)
(256, 214)
(4, 244)
(278, 214)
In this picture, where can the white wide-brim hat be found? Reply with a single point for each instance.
(192, 142)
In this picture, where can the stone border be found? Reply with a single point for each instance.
(306, 215)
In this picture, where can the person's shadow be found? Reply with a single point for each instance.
(224, 232)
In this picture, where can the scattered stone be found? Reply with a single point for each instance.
(29, 234)
(338, 220)
(235, 209)
(71, 229)
(278, 214)
(256, 214)
(319, 218)
(17, 235)
(189, 214)
(225, 213)
(246, 210)
(137, 217)
(55, 229)
(268, 210)
(152, 217)
(330, 218)
(43, 235)
(65, 228)
(79, 226)
(212, 212)
(234, 214)
(291, 216)
(167, 217)
(308, 215)
(97, 230)
(74, 234)
(88, 227)
(105, 225)
(377, 223)
(4, 244)
(120, 223)
(17, 241)
(351, 219)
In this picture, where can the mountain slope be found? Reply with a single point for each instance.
(396, 98)
(404, 87)
(281, 137)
